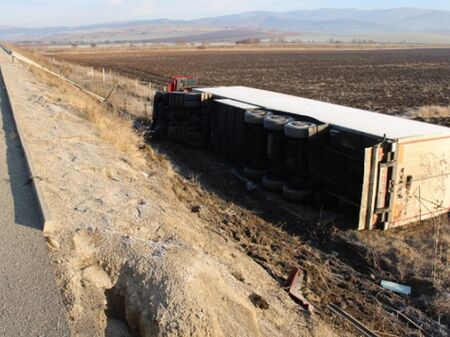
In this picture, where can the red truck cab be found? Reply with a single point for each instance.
(181, 83)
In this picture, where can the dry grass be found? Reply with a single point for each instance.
(432, 111)
(432, 114)
(111, 127)
(417, 255)
(130, 94)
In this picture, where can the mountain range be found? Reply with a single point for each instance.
(341, 21)
(251, 24)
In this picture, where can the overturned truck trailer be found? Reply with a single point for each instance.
(393, 171)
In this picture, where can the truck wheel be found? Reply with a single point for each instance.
(301, 130)
(271, 184)
(254, 174)
(256, 116)
(276, 122)
(294, 195)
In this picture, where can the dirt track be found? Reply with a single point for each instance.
(30, 301)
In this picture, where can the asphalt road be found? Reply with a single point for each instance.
(30, 301)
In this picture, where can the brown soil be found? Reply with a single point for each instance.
(343, 266)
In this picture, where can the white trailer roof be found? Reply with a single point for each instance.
(237, 104)
(372, 123)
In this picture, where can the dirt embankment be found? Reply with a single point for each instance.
(131, 257)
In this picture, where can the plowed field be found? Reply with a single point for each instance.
(389, 81)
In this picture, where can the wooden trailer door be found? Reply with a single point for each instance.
(421, 179)
(372, 157)
(376, 197)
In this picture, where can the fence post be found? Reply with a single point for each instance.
(103, 74)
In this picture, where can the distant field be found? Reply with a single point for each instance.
(390, 81)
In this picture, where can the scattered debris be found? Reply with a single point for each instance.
(99, 201)
(53, 244)
(249, 185)
(406, 319)
(106, 100)
(396, 288)
(195, 209)
(257, 211)
(295, 282)
(81, 209)
(353, 321)
(238, 276)
(237, 236)
(258, 301)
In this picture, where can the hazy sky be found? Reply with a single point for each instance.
(73, 12)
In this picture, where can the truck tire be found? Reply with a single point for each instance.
(273, 185)
(276, 122)
(294, 195)
(300, 130)
(254, 174)
(256, 117)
